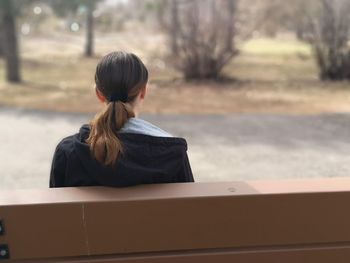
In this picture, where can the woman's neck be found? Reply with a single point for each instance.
(135, 109)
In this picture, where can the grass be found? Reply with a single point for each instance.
(276, 47)
(273, 76)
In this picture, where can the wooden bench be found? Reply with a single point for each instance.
(267, 221)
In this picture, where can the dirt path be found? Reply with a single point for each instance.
(221, 147)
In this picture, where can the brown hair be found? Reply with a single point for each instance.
(120, 77)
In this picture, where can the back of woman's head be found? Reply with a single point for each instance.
(120, 77)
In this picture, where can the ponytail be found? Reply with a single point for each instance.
(104, 142)
(119, 77)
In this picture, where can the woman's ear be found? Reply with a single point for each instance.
(100, 96)
(143, 92)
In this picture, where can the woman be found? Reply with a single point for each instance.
(118, 149)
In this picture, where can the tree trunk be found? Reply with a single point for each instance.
(161, 13)
(10, 44)
(89, 46)
(174, 34)
(1, 40)
(231, 9)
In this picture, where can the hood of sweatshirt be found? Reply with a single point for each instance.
(146, 159)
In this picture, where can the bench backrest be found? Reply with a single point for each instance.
(286, 221)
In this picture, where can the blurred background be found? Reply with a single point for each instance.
(260, 88)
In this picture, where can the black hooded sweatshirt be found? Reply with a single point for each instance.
(145, 160)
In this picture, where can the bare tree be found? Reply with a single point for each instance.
(329, 35)
(174, 26)
(161, 6)
(269, 18)
(231, 8)
(10, 43)
(1, 40)
(65, 8)
(89, 45)
(202, 34)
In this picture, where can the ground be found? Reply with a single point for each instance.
(221, 147)
(270, 76)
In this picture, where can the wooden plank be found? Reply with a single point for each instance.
(171, 191)
(105, 194)
(321, 254)
(301, 185)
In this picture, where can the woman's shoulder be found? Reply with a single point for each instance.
(66, 145)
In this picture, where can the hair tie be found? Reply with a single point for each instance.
(118, 97)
